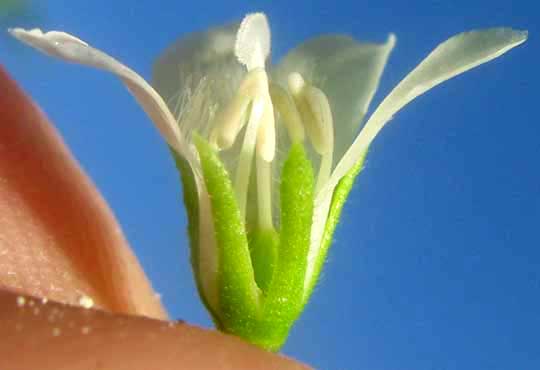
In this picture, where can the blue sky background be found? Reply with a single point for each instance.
(436, 264)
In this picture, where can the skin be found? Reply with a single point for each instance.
(59, 241)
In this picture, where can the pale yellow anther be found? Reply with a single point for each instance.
(233, 117)
(314, 109)
(319, 106)
(286, 108)
(230, 122)
(296, 83)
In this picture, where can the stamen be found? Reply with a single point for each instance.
(316, 114)
(230, 122)
(231, 119)
(289, 114)
(314, 109)
(321, 108)
(296, 83)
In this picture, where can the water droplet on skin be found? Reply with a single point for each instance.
(86, 302)
(21, 301)
(173, 323)
(44, 300)
(56, 332)
(31, 303)
(85, 330)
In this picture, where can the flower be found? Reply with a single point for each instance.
(247, 139)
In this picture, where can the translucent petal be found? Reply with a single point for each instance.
(198, 76)
(348, 73)
(454, 56)
(70, 48)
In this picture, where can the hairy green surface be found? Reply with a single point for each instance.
(191, 202)
(338, 200)
(239, 301)
(283, 302)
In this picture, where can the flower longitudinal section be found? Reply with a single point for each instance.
(268, 153)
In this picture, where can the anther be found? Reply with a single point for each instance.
(234, 116)
(316, 116)
(314, 109)
(286, 108)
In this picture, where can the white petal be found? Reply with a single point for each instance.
(208, 253)
(320, 215)
(70, 48)
(348, 73)
(454, 56)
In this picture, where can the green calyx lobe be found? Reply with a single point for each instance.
(284, 299)
(336, 206)
(239, 296)
(261, 273)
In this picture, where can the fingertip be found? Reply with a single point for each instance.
(57, 336)
(58, 237)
